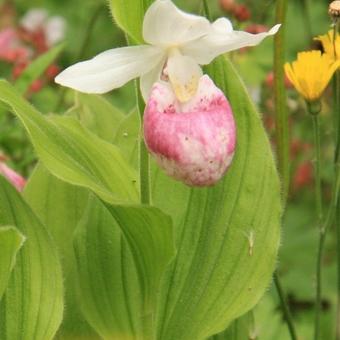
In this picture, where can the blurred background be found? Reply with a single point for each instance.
(86, 28)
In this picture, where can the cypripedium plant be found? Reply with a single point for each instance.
(198, 147)
(331, 47)
(311, 73)
(178, 44)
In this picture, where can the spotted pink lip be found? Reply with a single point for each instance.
(193, 142)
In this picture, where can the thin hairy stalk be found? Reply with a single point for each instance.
(337, 218)
(284, 306)
(282, 137)
(307, 18)
(281, 114)
(317, 167)
(336, 110)
(318, 200)
(206, 9)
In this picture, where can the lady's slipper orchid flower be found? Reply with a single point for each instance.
(311, 73)
(194, 141)
(178, 44)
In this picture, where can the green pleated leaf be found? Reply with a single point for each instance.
(11, 240)
(119, 287)
(111, 296)
(32, 305)
(98, 115)
(74, 154)
(35, 69)
(129, 14)
(241, 329)
(227, 236)
(152, 230)
(60, 207)
(127, 136)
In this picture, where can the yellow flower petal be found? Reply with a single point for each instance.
(311, 73)
(328, 44)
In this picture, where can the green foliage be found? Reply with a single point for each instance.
(98, 115)
(124, 274)
(227, 236)
(73, 154)
(147, 230)
(32, 305)
(127, 136)
(35, 69)
(240, 329)
(111, 296)
(11, 240)
(129, 15)
(60, 206)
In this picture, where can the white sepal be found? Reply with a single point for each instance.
(166, 25)
(219, 41)
(110, 69)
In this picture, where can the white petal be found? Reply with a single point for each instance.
(147, 80)
(184, 75)
(219, 41)
(110, 69)
(222, 25)
(34, 19)
(55, 30)
(166, 25)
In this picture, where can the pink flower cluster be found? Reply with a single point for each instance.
(21, 43)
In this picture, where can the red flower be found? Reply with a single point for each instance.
(241, 12)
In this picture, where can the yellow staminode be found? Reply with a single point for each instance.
(328, 44)
(311, 73)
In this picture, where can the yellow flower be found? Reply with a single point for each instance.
(328, 44)
(311, 73)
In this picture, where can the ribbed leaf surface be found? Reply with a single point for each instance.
(32, 305)
(11, 240)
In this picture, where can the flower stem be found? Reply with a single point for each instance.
(337, 173)
(281, 116)
(317, 166)
(144, 163)
(284, 306)
(338, 269)
(307, 18)
(282, 137)
(322, 234)
(206, 9)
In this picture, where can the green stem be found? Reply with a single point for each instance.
(317, 167)
(307, 18)
(322, 234)
(282, 137)
(284, 306)
(281, 115)
(337, 171)
(144, 163)
(338, 268)
(206, 9)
